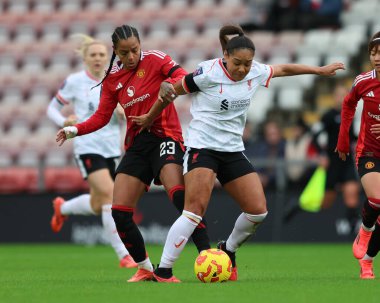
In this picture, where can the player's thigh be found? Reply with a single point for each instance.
(248, 192)
(101, 187)
(371, 184)
(199, 183)
(171, 175)
(127, 190)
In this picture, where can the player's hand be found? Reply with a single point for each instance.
(341, 155)
(330, 70)
(70, 120)
(167, 92)
(65, 133)
(375, 129)
(144, 121)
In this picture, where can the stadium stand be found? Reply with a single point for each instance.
(36, 53)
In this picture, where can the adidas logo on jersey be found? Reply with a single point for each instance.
(119, 86)
(370, 94)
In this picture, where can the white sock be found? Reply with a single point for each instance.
(177, 237)
(245, 226)
(110, 232)
(146, 264)
(78, 206)
(366, 257)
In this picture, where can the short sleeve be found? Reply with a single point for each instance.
(265, 74)
(201, 77)
(168, 65)
(66, 92)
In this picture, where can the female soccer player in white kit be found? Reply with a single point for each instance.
(96, 154)
(222, 90)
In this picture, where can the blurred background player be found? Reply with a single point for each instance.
(155, 154)
(97, 154)
(366, 87)
(270, 147)
(340, 176)
(298, 152)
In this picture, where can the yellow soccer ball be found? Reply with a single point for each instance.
(213, 265)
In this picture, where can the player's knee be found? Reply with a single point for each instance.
(123, 218)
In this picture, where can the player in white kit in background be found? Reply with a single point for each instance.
(222, 90)
(96, 154)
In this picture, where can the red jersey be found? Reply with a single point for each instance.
(136, 91)
(367, 87)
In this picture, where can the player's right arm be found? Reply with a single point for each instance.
(347, 115)
(99, 119)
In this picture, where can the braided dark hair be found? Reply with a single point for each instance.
(120, 33)
(239, 41)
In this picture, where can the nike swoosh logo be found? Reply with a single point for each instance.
(179, 244)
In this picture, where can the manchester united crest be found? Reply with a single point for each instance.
(369, 165)
(140, 73)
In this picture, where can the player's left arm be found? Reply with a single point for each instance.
(283, 70)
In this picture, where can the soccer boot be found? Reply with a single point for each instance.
(128, 262)
(142, 275)
(366, 269)
(360, 245)
(164, 275)
(58, 219)
(234, 274)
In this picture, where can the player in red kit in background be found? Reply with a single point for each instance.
(366, 87)
(154, 154)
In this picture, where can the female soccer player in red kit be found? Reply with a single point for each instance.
(154, 154)
(367, 87)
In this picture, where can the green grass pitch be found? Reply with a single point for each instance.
(267, 273)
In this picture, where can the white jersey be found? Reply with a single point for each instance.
(77, 90)
(219, 108)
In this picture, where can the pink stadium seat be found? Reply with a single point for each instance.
(6, 159)
(44, 6)
(122, 5)
(18, 179)
(290, 38)
(96, 5)
(180, 4)
(18, 7)
(64, 179)
(70, 5)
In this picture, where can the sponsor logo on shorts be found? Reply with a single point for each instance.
(195, 156)
(369, 165)
(170, 158)
(88, 163)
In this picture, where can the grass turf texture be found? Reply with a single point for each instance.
(267, 273)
